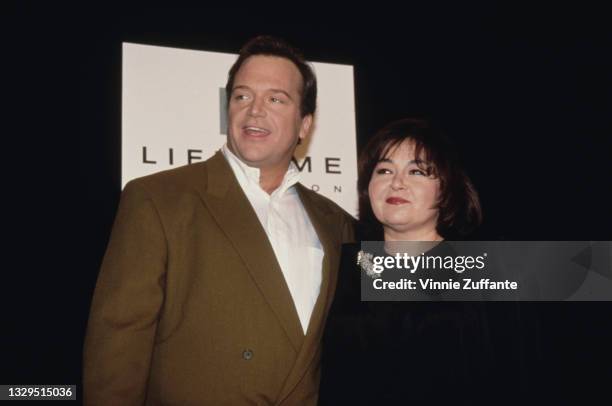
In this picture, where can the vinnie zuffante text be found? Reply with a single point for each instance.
(421, 263)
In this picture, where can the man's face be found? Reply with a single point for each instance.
(264, 112)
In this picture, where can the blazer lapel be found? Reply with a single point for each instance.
(320, 219)
(231, 209)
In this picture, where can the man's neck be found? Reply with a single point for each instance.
(271, 179)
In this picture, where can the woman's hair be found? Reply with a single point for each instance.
(458, 204)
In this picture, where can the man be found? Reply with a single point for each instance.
(219, 275)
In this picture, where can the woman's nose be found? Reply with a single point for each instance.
(397, 183)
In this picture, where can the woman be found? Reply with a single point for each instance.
(411, 188)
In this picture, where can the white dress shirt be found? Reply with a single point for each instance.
(291, 234)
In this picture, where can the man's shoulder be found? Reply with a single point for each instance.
(325, 202)
(176, 190)
(173, 178)
(177, 180)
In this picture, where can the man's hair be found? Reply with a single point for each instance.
(458, 205)
(271, 46)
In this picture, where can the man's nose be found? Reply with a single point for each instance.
(257, 107)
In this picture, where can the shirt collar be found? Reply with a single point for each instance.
(248, 175)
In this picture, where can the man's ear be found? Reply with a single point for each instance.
(305, 127)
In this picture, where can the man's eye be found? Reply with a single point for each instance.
(240, 97)
(276, 100)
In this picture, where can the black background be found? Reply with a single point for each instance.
(524, 92)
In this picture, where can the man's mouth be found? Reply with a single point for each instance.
(252, 131)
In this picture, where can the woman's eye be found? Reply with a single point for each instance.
(382, 171)
(417, 172)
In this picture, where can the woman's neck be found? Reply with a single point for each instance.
(396, 242)
(412, 235)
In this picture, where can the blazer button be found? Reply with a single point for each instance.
(247, 354)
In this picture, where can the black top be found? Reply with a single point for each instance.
(388, 353)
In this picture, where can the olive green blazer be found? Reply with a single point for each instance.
(191, 307)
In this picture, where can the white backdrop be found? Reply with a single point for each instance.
(173, 114)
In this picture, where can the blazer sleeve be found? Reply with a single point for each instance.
(127, 300)
(348, 229)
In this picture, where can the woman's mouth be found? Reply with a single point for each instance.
(396, 200)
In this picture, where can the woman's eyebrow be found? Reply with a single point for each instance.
(413, 161)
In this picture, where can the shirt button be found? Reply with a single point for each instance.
(247, 354)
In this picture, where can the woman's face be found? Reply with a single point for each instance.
(403, 196)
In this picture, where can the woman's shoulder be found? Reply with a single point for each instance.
(352, 257)
(351, 248)
(348, 259)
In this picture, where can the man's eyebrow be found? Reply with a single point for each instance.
(241, 87)
(281, 91)
(244, 87)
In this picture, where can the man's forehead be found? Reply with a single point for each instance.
(270, 71)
